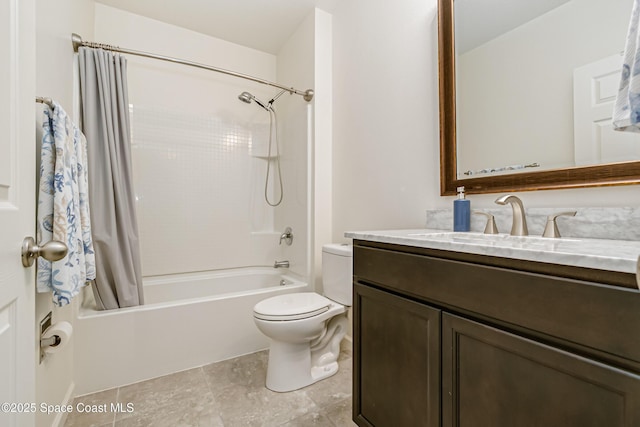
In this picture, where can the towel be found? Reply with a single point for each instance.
(626, 112)
(63, 207)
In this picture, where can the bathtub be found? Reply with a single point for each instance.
(187, 321)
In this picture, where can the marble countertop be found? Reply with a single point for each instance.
(601, 254)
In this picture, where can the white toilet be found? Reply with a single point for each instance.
(306, 328)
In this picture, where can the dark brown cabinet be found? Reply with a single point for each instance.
(442, 339)
(494, 378)
(399, 350)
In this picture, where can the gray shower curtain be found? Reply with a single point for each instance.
(105, 123)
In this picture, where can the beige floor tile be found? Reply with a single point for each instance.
(166, 397)
(226, 394)
(89, 418)
(341, 413)
(346, 349)
(246, 371)
(258, 406)
(313, 419)
(191, 413)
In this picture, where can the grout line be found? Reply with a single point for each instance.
(117, 400)
(206, 379)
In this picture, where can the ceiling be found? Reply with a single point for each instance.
(477, 22)
(264, 25)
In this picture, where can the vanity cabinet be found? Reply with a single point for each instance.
(494, 378)
(450, 339)
(399, 351)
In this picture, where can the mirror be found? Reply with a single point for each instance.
(516, 110)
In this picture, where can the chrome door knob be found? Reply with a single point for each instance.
(51, 251)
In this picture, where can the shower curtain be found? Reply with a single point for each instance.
(105, 123)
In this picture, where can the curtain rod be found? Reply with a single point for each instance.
(78, 42)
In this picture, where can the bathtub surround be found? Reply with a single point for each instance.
(105, 121)
(196, 148)
(187, 321)
(619, 223)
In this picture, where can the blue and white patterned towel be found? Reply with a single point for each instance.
(63, 207)
(626, 113)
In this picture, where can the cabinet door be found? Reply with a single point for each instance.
(396, 361)
(494, 378)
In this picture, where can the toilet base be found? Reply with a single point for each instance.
(297, 373)
(290, 364)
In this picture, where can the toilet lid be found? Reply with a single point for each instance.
(291, 306)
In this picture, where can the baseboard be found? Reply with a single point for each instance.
(61, 417)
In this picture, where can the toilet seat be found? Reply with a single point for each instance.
(294, 306)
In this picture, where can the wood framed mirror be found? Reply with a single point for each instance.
(571, 176)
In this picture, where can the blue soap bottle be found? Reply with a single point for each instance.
(461, 212)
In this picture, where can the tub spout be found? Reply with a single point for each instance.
(281, 264)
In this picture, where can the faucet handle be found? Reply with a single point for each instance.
(491, 227)
(287, 236)
(551, 229)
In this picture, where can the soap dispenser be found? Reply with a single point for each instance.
(461, 212)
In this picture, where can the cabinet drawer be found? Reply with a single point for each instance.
(588, 316)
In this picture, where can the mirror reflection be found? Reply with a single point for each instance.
(536, 83)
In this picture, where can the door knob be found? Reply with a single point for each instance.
(51, 251)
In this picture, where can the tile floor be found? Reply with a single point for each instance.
(224, 394)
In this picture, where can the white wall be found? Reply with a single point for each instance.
(55, 21)
(515, 93)
(385, 114)
(386, 132)
(200, 190)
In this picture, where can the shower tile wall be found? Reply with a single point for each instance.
(216, 216)
(199, 191)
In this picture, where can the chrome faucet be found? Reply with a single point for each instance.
(281, 264)
(519, 225)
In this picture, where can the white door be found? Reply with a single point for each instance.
(17, 211)
(595, 87)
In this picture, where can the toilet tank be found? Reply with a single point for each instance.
(337, 272)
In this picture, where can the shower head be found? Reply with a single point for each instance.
(247, 97)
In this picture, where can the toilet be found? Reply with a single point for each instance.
(305, 329)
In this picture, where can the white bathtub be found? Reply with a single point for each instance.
(187, 321)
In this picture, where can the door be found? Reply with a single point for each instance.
(396, 372)
(17, 211)
(494, 378)
(595, 87)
